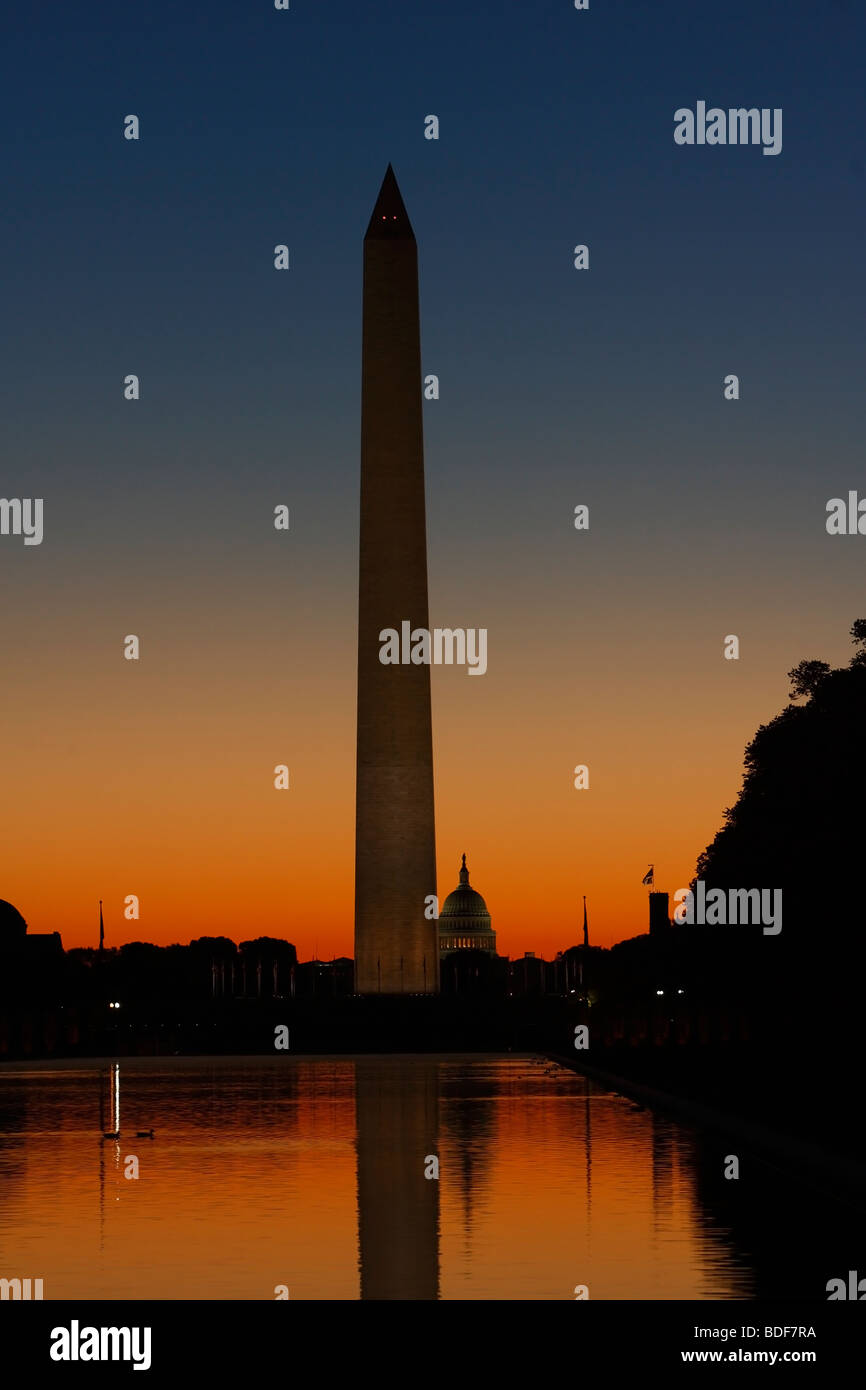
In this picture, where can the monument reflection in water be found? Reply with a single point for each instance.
(310, 1173)
(397, 1107)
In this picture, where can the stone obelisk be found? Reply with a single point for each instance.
(396, 947)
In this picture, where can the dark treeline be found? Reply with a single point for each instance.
(211, 967)
(799, 819)
(798, 825)
(36, 969)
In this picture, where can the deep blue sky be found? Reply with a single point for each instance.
(261, 127)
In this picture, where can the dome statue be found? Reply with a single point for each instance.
(464, 922)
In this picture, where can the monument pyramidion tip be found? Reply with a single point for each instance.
(390, 218)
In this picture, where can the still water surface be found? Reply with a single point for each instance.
(310, 1173)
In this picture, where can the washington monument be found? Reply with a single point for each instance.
(396, 949)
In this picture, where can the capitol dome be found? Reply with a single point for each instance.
(464, 922)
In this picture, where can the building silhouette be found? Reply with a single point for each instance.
(659, 913)
(31, 964)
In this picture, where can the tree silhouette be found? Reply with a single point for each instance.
(806, 677)
(798, 824)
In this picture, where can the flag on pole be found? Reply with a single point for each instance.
(101, 927)
(648, 876)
